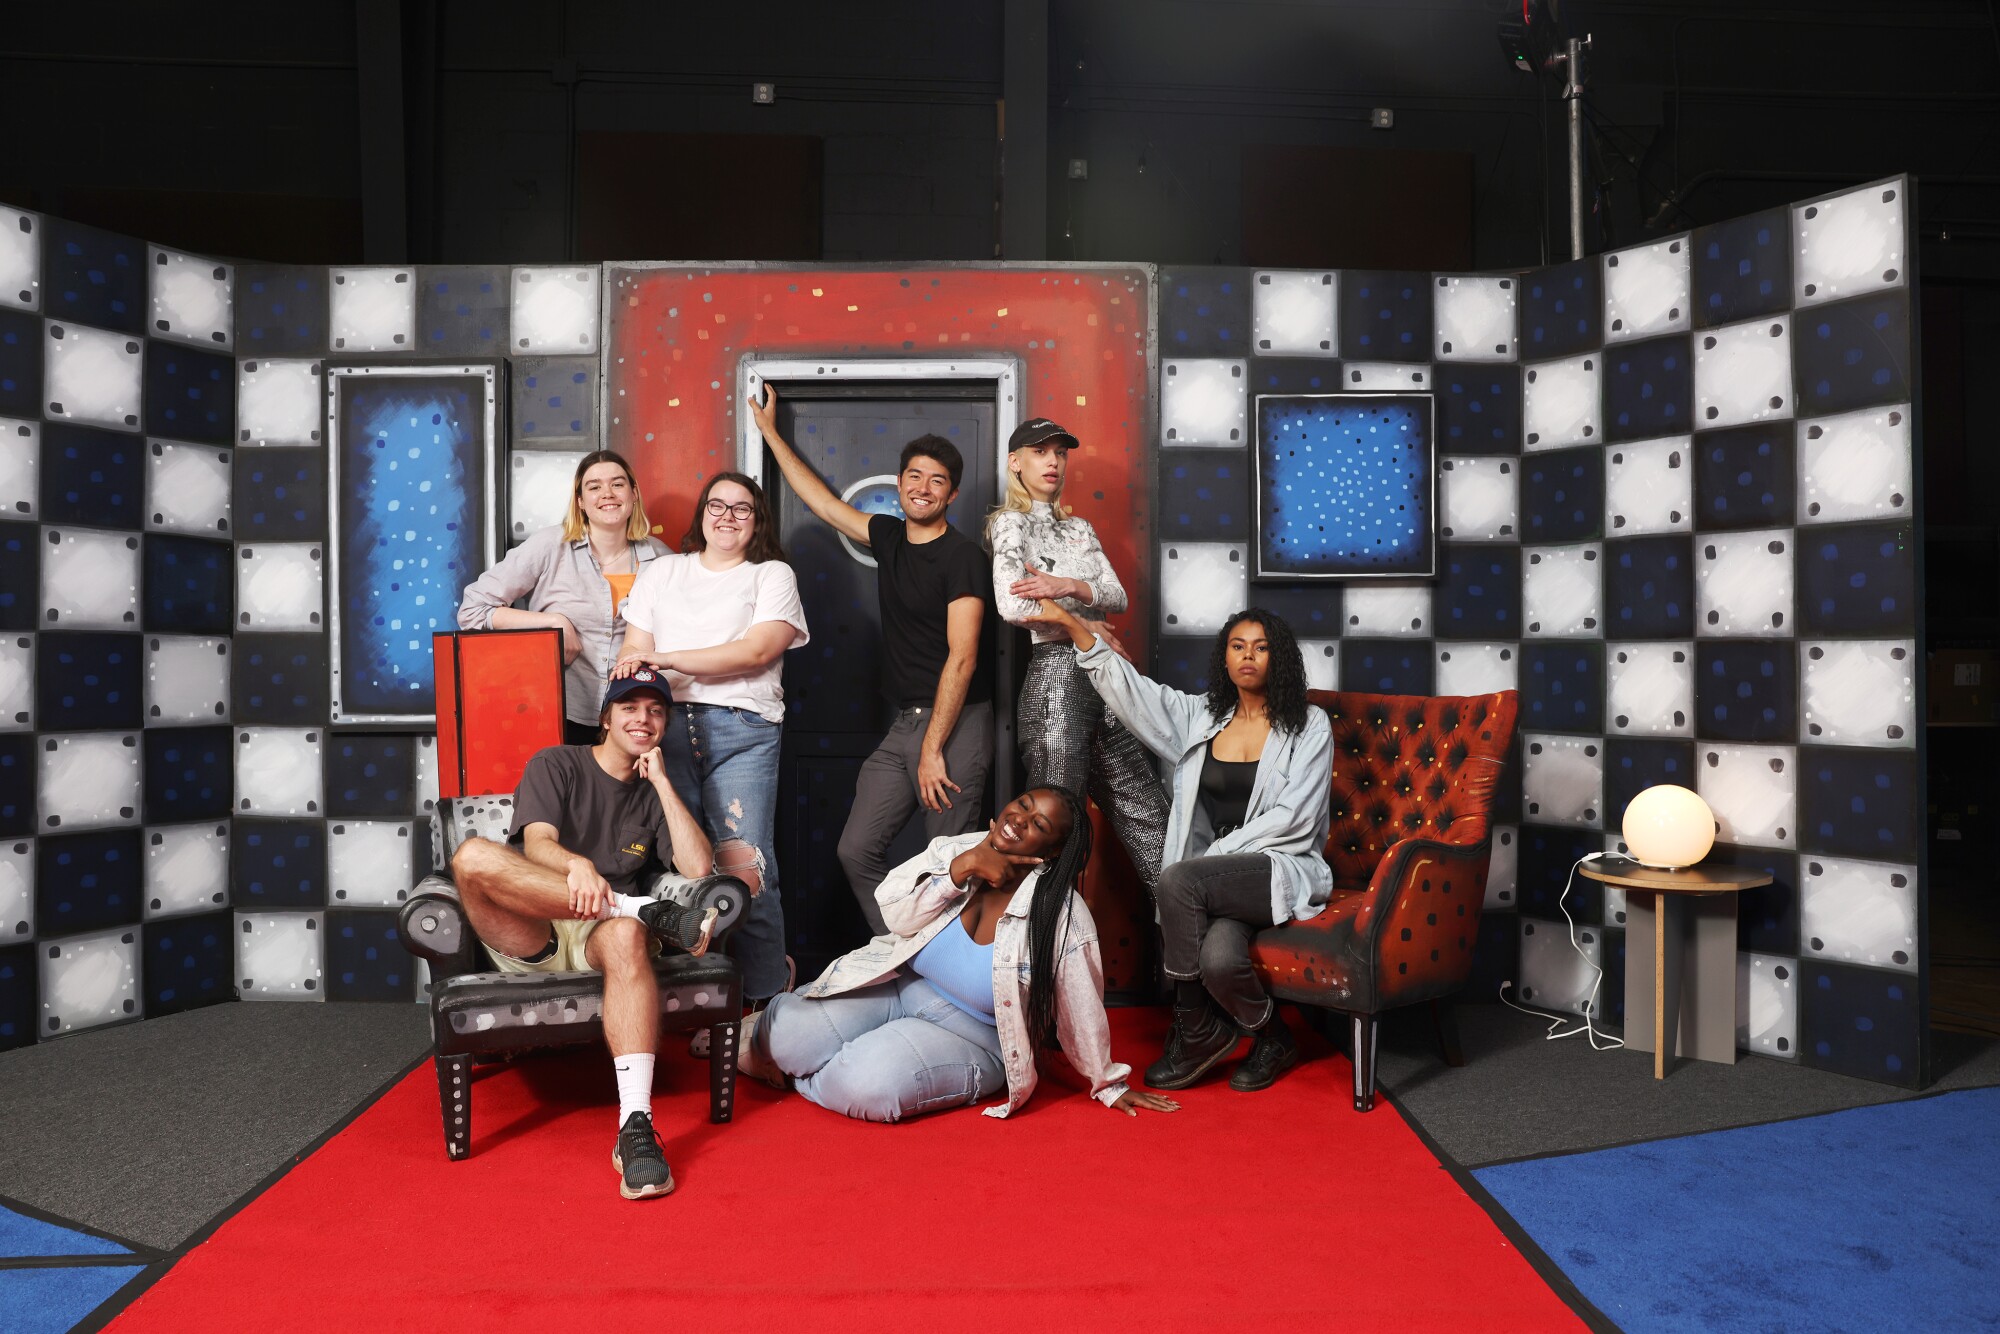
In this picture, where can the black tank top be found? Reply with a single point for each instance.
(1225, 790)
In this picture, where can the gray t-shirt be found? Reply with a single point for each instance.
(620, 827)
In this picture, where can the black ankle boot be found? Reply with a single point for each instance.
(1275, 1052)
(1201, 1036)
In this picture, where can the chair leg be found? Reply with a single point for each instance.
(1364, 1062)
(722, 1071)
(1445, 1017)
(455, 1102)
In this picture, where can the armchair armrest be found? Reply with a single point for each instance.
(725, 893)
(435, 928)
(1423, 914)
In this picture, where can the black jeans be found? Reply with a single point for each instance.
(1210, 907)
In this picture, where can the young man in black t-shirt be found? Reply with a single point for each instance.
(563, 894)
(933, 585)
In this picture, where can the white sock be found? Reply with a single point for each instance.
(635, 1084)
(623, 905)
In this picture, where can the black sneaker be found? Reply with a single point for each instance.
(641, 1163)
(1199, 1038)
(1275, 1052)
(683, 928)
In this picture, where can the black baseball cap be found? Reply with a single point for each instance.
(643, 679)
(1039, 431)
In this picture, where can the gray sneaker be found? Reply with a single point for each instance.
(641, 1162)
(683, 928)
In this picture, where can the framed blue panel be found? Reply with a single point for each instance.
(1204, 494)
(1388, 666)
(1562, 685)
(1858, 579)
(1742, 268)
(1648, 388)
(1478, 592)
(1478, 408)
(1205, 312)
(89, 681)
(93, 276)
(1562, 310)
(1631, 765)
(1852, 354)
(20, 996)
(279, 495)
(187, 963)
(1294, 375)
(1649, 588)
(370, 777)
(20, 364)
(278, 679)
(462, 312)
(20, 574)
(188, 774)
(1562, 495)
(1385, 316)
(555, 398)
(1746, 477)
(1345, 485)
(1860, 803)
(415, 499)
(1861, 1021)
(277, 864)
(89, 882)
(1182, 662)
(1746, 690)
(1312, 610)
(190, 584)
(190, 394)
(280, 311)
(365, 958)
(1548, 853)
(92, 477)
(17, 785)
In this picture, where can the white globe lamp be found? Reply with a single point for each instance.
(1669, 827)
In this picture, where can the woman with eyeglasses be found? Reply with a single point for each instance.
(717, 619)
(573, 577)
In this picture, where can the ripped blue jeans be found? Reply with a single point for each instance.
(882, 1053)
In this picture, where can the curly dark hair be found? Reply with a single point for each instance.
(1050, 909)
(764, 544)
(1284, 684)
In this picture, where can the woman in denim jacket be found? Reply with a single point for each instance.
(989, 955)
(1253, 773)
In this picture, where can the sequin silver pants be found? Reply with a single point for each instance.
(1070, 739)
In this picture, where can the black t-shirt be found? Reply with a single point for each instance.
(915, 583)
(620, 827)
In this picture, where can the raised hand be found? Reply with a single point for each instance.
(765, 414)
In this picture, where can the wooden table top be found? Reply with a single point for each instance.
(1615, 870)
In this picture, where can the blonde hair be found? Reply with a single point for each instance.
(637, 526)
(1018, 501)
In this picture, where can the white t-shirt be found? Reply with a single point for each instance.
(685, 605)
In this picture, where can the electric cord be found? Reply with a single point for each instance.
(1588, 1028)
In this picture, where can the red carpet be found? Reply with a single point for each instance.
(1276, 1209)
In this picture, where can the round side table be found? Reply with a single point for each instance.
(1690, 991)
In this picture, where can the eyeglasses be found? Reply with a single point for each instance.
(740, 511)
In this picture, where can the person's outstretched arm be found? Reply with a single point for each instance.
(818, 496)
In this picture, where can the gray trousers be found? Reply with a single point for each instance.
(1210, 909)
(885, 796)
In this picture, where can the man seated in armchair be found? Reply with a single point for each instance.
(562, 894)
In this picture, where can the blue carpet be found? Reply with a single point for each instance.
(1877, 1218)
(51, 1301)
(22, 1235)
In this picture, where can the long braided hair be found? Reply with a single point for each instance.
(1050, 911)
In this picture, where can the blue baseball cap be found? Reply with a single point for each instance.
(643, 679)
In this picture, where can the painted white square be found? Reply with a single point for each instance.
(1322, 658)
(538, 490)
(277, 771)
(20, 468)
(1859, 912)
(279, 586)
(92, 376)
(555, 310)
(1767, 1005)
(1295, 314)
(187, 869)
(1649, 487)
(90, 579)
(1476, 318)
(1479, 500)
(1201, 585)
(1562, 591)
(193, 299)
(187, 489)
(88, 780)
(1753, 792)
(1850, 245)
(1743, 373)
(369, 863)
(17, 891)
(1858, 465)
(278, 402)
(1204, 401)
(90, 980)
(427, 774)
(1385, 377)
(372, 310)
(1859, 692)
(1503, 873)
(1743, 583)
(20, 259)
(1646, 290)
(1649, 689)
(1562, 779)
(17, 684)
(1561, 402)
(280, 956)
(1395, 610)
(1477, 669)
(1554, 975)
(187, 679)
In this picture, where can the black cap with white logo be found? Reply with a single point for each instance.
(1039, 431)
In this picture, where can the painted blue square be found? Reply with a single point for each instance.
(1312, 610)
(1633, 764)
(1345, 485)
(1496, 958)
(1204, 312)
(370, 776)
(188, 963)
(365, 957)
(1478, 592)
(279, 495)
(1746, 690)
(1858, 579)
(1852, 354)
(1388, 666)
(188, 774)
(1860, 803)
(1203, 494)
(555, 398)
(1742, 268)
(88, 681)
(279, 679)
(190, 394)
(1547, 854)
(20, 996)
(462, 312)
(277, 864)
(1864, 1022)
(1767, 917)
(88, 882)
(1562, 495)
(1294, 375)
(1562, 686)
(1562, 310)
(1611, 993)
(17, 785)
(190, 584)
(1648, 388)
(93, 276)
(280, 311)
(20, 575)
(1478, 408)
(1183, 662)
(20, 364)
(1385, 316)
(1745, 477)
(92, 477)
(1649, 587)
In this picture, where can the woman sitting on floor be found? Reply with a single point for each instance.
(990, 954)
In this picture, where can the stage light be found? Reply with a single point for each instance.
(1669, 827)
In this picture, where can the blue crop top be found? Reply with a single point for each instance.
(960, 968)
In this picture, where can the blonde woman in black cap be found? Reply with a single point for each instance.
(1042, 550)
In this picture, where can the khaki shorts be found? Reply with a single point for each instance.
(572, 934)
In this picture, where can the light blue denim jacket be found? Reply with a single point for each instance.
(1287, 819)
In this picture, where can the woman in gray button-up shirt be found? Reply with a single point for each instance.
(574, 578)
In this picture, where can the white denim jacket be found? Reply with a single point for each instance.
(919, 900)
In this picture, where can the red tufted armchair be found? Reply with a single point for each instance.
(1414, 779)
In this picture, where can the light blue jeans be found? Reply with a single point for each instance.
(723, 763)
(892, 1050)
